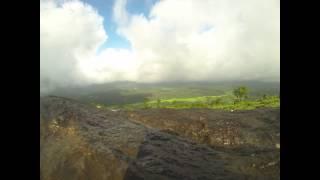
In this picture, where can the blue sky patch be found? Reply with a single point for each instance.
(105, 8)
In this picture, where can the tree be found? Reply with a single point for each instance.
(264, 96)
(241, 93)
(158, 103)
(218, 101)
(174, 102)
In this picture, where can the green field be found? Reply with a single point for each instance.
(225, 102)
(179, 95)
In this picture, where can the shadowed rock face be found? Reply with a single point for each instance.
(164, 156)
(79, 142)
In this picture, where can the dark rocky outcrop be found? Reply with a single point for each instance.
(80, 142)
(259, 128)
(165, 156)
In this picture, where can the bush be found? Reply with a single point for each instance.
(241, 93)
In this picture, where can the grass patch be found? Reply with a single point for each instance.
(225, 102)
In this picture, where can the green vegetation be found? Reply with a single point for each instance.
(158, 103)
(241, 93)
(145, 103)
(212, 102)
(237, 99)
(178, 95)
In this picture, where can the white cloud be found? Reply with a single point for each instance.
(111, 65)
(180, 40)
(68, 30)
(120, 14)
(207, 40)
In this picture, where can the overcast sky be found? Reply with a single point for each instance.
(97, 41)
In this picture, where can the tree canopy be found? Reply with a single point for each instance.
(241, 93)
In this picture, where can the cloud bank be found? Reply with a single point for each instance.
(178, 40)
(69, 31)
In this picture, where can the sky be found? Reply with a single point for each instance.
(99, 41)
(105, 9)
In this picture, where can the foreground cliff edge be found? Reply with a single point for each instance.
(80, 142)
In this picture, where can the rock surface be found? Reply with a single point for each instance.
(80, 142)
(259, 128)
